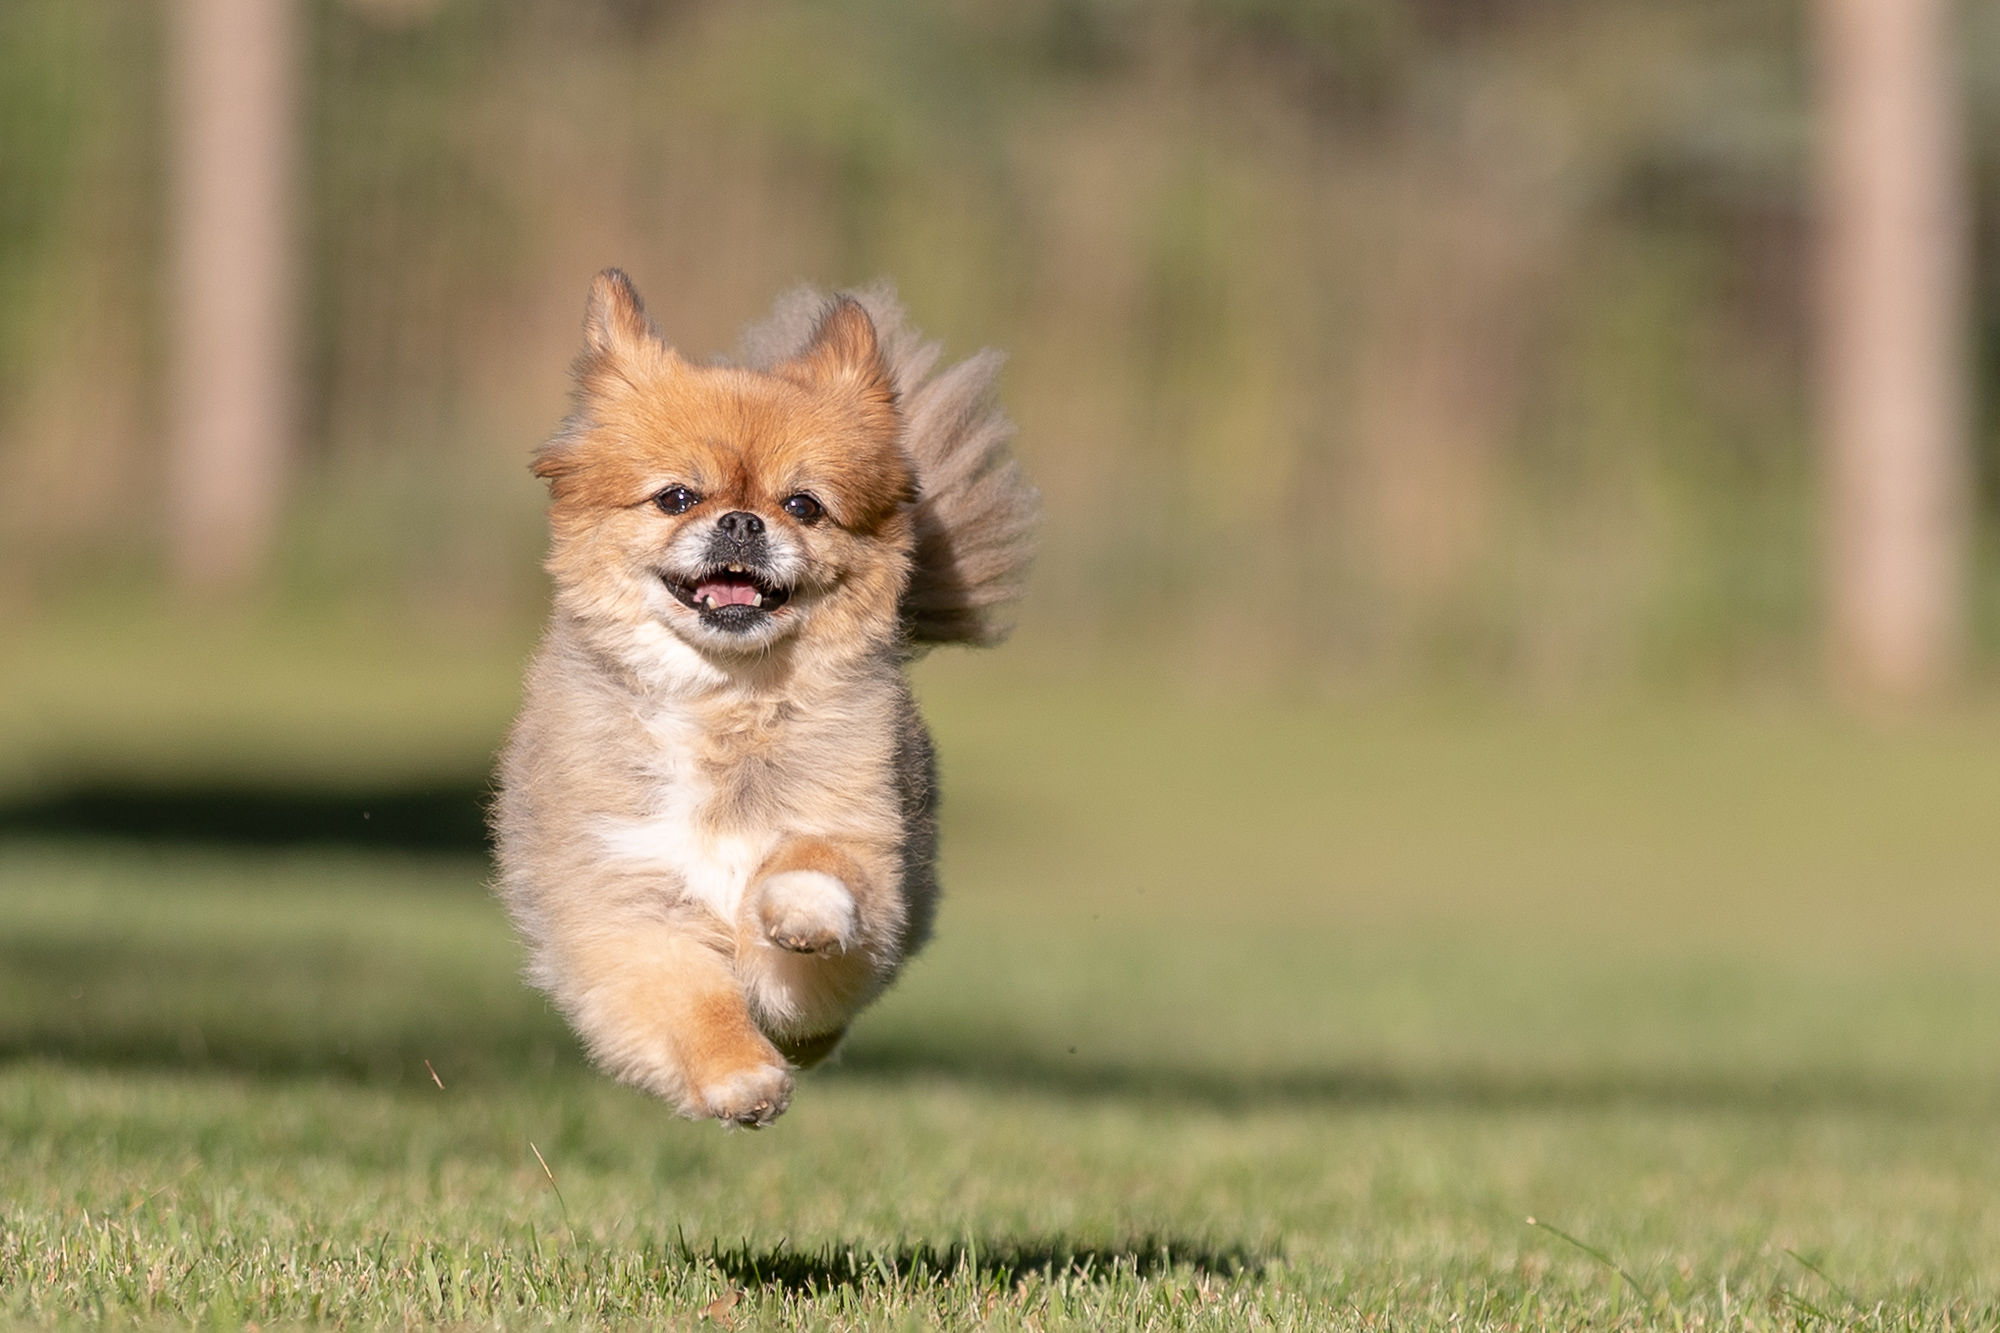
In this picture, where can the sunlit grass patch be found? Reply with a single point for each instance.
(1058, 1121)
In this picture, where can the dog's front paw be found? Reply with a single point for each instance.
(751, 1097)
(807, 911)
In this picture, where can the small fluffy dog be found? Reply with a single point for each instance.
(716, 821)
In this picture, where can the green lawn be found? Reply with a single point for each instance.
(1240, 1015)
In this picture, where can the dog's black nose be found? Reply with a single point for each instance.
(740, 525)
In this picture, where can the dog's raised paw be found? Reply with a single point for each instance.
(807, 911)
(751, 1098)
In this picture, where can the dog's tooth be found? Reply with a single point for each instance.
(756, 599)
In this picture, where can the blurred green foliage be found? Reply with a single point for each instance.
(1456, 337)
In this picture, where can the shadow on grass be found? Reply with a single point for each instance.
(359, 1011)
(435, 817)
(369, 1015)
(1004, 1062)
(1008, 1262)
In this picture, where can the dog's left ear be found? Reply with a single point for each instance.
(845, 355)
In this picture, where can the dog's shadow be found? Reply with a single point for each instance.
(999, 1262)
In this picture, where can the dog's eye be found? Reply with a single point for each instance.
(676, 499)
(804, 508)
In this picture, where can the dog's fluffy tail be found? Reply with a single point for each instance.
(975, 512)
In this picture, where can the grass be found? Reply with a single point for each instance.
(1241, 1015)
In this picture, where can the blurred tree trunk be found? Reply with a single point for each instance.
(1893, 385)
(233, 83)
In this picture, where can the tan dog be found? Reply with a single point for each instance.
(716, 822)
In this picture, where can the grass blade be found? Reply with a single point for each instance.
(1597, 1254)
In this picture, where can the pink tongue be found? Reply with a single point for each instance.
(725, 593)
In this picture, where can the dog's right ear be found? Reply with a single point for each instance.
(621, 349)
(615, 322)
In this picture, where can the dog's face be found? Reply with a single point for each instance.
(740, 509)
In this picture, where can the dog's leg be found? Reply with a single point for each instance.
(820, 932)
(662, 1009)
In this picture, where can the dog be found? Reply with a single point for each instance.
(716, 819)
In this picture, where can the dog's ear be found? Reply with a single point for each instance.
(621, 349)
(615, 323)
(621, 346)
(845, 355)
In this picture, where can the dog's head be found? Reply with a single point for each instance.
(739, 508)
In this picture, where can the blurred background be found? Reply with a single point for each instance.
(1354, 342)
(1506, 720)
(1571, 421)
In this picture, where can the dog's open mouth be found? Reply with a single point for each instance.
(730, 596)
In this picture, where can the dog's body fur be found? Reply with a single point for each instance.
(716, 819)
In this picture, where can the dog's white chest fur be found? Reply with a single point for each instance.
(697, 862)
